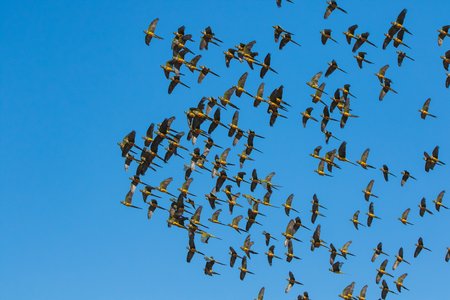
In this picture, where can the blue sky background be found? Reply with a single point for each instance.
(76, 77)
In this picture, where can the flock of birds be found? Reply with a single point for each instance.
(184, 211)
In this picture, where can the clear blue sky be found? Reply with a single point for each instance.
(76, 76)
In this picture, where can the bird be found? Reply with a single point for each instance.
(368, 191)
(381, 73)
(363, 161)
(350, 33)
(150, 32)
(337, 101)
(307, 116)
(233, 126)
(153, 205)
(328, 134)
(401, 56)
(378, 251)
(419, 247)
(215, 216)
(333, 253)
(424, 110)
(235, 223)
(180, 34)
(346, 91)
(232, 202)
(446, 60)
(371, 214)
(332, 5)
(128, 201)
(169, 68)
(286, 38)
(288, 205)
(305, 296)
(291, 281)
(316, 152)
(438, 201)
(275, 100)
(399, 282)
(215, 121)
(355, 220)
(262, 290)
(179, 44)
(332, 66)
(320, 169)
(432, 160)
(325, 118)
(208, 36)
(385, 289)
(233, 256)
(398, 23)
(443, 32)
(290, 253)
(290, 232)
(314, 83)
(128, 160)
(336, 267)
(315, 209)
(317, 97)
(388, 38)
(360, 40)
(267, 182)
(268, 237)
(326, 35)
(423, 207)
(344, 250)
(208, 270)
(360, 58)
(399, 259)
(382, 271)
(244, 52)
(278, 30)
(342, 153)
(230, 54)
(127, 143)
(271, 254)
(192, 250)
(239, 88)
(205, 71)
(178, 59)
(298, 223)
(226, 98)
(259, 94)
(386, 172)
(279, 2)
(398, 40)
(404, 217)
(405, 177)
(173, 147)
(316, 241)
(174, 81)
(147, 191)
(246, 247)
(345, 112)
(266, 67)
(386, 87)
(243, 268)
(195, 219)
(362, 293)
(347, 292)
